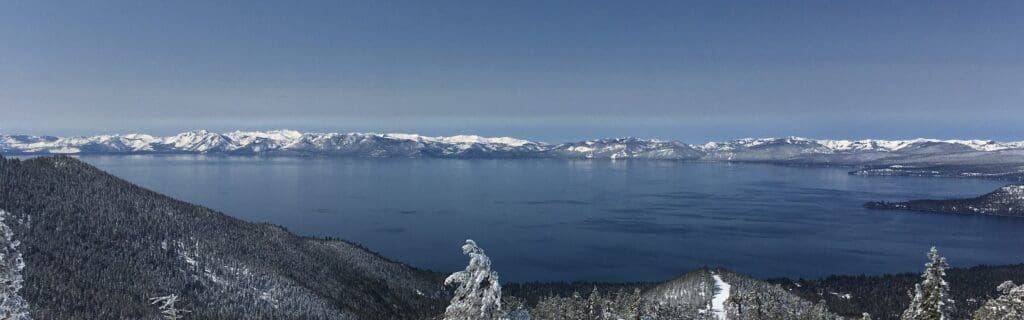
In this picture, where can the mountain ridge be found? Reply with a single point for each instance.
(915, 157)
(256, 142)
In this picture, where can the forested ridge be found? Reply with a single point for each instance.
(98, 247)
(1005, 201)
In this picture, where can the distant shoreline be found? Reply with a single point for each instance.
(1007, 201)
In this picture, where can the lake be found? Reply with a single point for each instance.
(545, 219)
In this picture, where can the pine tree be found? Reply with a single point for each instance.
(514, 309)
(931, 299)
(1009, 305)
(594, 305)
(478, 296)
(636, 305)
(12, 305)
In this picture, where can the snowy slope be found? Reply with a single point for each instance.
(721, 295)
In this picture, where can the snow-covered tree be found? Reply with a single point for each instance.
(478, 296)
(167, 307)
(1010, 305)
(12, 305)
(931, 299)
(514, 309)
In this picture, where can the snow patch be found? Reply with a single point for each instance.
(722, 291)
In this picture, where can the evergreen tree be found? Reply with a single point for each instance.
(931, 297)
(637, 305)
(595, 304)
(514, 309)
(12, 305)
(478, 296)
(1010, 305)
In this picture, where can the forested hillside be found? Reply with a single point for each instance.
(1005, 201)
(702, 294)
(98, 247)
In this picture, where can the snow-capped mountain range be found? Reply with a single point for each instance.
(288, 142)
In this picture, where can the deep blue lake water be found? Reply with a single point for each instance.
(593, 220)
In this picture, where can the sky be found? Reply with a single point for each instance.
(546, 70)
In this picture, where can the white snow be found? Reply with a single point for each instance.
(403, 136)
(478, 139)
(12, 305)
(878, 145)
(460, 139)
(721, 295)
(896, 145)
(478, 295)
(65, 150)
(581, 149)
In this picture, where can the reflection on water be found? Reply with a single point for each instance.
(594, 220)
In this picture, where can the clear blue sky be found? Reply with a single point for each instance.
(547, 70)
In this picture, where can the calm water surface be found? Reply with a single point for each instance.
(592, 220)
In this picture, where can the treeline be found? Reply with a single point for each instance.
(531, 293)
(885, 296)
(985, 295)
